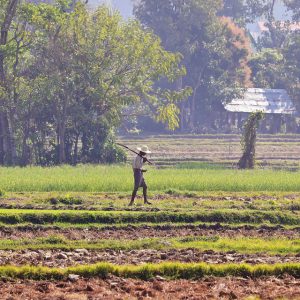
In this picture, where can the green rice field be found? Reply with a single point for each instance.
(69, 230)
(119, 179)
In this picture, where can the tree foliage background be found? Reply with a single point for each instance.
(222, 57)
(70, 77)
(67, 76)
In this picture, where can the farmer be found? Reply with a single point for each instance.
(138, 171)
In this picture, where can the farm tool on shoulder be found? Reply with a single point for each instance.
(137, 153)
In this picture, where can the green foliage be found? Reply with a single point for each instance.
(70, 74)
(213, 53)
(268, 69)
(292, 63)
(294, 7)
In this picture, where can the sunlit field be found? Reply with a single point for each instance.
(207, 220)
(120, 179)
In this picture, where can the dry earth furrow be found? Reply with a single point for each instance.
(132, 232)
(118, 288)
(61, 258)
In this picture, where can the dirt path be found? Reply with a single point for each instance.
(132, 232)
(60, 258)
(118, 288)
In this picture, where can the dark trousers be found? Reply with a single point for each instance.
(139, 181)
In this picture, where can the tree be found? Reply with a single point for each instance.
(235, 9)
(212, 52)
(268, 69)
(247, 160)
(292, 66)
(7, 14)
(294, 7)
(69, 75)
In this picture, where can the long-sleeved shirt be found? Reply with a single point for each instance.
(137, 162)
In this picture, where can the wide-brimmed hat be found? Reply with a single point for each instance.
(144, 149)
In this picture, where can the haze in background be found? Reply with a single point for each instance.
(124, 6)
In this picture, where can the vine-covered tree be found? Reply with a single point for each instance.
(247, 160)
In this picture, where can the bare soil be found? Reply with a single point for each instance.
(60, 258)
(118, 288)
(134, 232)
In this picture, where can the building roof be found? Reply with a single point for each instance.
(269, 101)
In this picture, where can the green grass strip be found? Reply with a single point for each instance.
(272, 246)
(84, 217)
(87, 178)
(172, 270)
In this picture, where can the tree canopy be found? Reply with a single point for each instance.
(214, 50)
(67, 77)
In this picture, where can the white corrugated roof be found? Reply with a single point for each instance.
(269, 101)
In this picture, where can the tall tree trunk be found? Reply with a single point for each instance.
(6, 141)
(75, 158)
(25, 148)
(62, 130)
(61, 142)
(193, 101)
(1, 143)
(11, 139)
(85, 147)
(5, 155)
(182, 106)
(193, 110)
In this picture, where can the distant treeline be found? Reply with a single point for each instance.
(220, 54)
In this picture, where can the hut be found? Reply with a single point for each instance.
(275, 102)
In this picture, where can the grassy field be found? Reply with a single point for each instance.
(208, 224)
(120, 179)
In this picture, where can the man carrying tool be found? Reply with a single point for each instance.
(138, 171)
